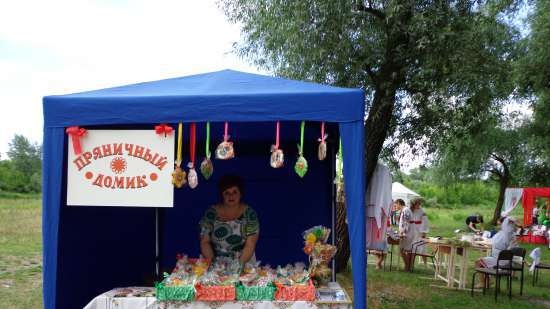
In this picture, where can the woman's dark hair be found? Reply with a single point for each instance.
(480, 218)
(228, 181)
(400, 202)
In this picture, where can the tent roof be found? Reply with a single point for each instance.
(398, 188)
(217, 96)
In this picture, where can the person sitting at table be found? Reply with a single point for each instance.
(505, 239)
(472, 222)
(230, 228)
(413, 226)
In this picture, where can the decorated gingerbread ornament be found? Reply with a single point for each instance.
(301, 164)
(322, 150)
(178, 175)
(277, 158)
(192, 178)
(207, 168)
(225, 151)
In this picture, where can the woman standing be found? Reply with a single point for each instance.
(413, 226)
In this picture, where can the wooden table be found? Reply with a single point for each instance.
(452, 251)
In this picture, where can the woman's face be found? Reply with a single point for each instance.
(231, 196)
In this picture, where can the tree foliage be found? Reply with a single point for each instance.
(533, 76)
(419, 62)
(23, 171)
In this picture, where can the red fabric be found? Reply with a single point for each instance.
(415, 222)
(76, 133)
(163, 129)
(192, 143)
(528, 201)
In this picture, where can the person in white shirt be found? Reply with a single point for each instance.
(413, 226)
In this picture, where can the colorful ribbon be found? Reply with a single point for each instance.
(225, 134)
(207, 151)
(180, 143)
(192, 139)
(163, 129)
(76, 133)
(322, 131)
(277, 136)
(302, 127)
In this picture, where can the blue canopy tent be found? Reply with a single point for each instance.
(88, 250)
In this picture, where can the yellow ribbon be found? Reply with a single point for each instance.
(180, 142)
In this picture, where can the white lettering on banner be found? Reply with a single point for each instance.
(121, 168)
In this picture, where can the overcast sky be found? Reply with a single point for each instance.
(57, 47)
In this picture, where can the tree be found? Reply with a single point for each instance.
(419, 62)
(498, 147)
(533, 75)
(26, 160)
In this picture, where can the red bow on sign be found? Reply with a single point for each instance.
(76, 133)
(163, 129)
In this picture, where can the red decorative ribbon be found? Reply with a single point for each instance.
(164, 129)
(225, 134)
(76, 133)
(277, 136)
(192, 139)
(415, 222)
(322, 131)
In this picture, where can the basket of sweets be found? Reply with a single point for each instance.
(180, 284)
(294, 283)
(256, 284)
(218, 283)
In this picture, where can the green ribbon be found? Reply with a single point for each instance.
(340, 151)
(207, 140)
(302, 127)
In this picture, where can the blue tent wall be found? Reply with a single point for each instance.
(219, 96)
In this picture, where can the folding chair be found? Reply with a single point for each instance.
(517, 251)
(415, 252)
(504, 259)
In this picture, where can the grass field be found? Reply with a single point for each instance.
(20, 268)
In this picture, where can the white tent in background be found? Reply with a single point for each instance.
(399, 191)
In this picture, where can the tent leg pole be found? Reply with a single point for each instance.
(333, 206)
(157, 243)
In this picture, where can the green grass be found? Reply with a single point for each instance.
(21, 267)
(20, 253)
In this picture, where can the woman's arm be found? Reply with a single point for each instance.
(249, 247)
(206, 247)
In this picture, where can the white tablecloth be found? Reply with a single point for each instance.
(108, 301)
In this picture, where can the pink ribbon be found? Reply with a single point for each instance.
(225, 135)
(277, 136)
(322, 131)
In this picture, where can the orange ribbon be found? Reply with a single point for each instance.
(76, 133)
(164, 129)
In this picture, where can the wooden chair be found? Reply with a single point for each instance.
(504, 259)
(536, 272)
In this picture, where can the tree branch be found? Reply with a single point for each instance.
(369, 9)
(372, 76)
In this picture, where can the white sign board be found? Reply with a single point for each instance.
(121, 168)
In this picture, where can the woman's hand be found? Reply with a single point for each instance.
(249, 247)
(206, 247)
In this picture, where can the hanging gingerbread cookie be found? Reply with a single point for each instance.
(192, 178)
(207, 168)
(322, 150)
(179, 175)
(225, 151)
(301, 164)
(277, 158)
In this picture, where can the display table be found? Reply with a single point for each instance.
(110, 300)
(452, 251)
